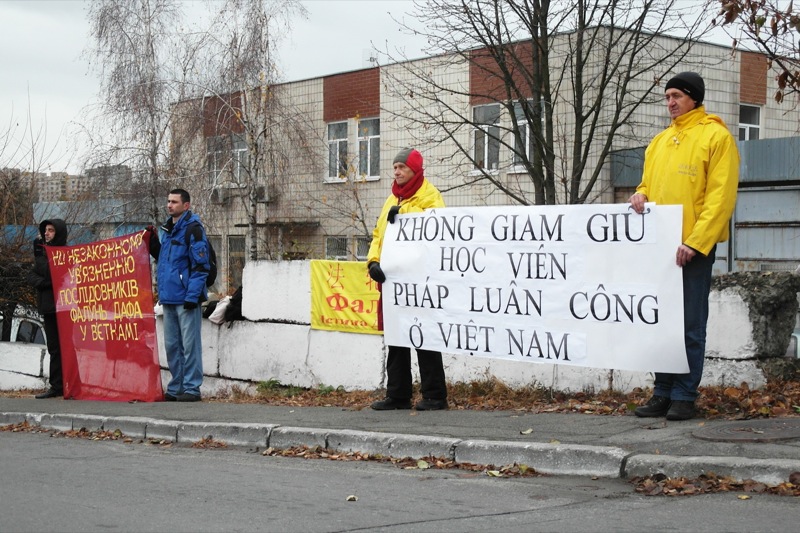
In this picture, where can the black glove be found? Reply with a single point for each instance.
(376, 273)
(38, 248)
(392, 213)
(189, 305)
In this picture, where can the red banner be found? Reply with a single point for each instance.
(106, 324)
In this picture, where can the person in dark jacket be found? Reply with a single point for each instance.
(52, 233)
(183, 266)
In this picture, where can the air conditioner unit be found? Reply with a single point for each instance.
(262, 194)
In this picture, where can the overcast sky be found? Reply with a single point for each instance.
(42, 41)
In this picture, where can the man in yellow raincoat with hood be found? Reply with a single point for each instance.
(693, 163)
(411, 193)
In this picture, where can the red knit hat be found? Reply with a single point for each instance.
(410, 158)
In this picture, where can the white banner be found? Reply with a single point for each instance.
(584, 285)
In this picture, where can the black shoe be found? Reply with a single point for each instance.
(390, 404)
(49, 393)
(186, 397)
(655, 406)
(170, 398)
(431, 405)
(681, 410)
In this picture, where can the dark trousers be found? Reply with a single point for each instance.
(398, 374)
(54, 349)
(696, 288)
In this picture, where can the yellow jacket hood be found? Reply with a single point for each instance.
(695, 163)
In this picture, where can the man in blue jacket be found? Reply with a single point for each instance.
(183, 266)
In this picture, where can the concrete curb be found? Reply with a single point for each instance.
(564, 459)
(231, 433)
(769, 471)
(559, 459)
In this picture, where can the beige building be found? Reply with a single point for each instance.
(323, 182)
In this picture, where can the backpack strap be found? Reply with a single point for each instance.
(195, 229)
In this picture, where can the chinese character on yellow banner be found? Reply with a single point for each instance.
(343, 297)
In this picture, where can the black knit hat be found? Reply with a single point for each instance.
(691, 84)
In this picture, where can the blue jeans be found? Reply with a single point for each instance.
(184, 349)
(696, 287)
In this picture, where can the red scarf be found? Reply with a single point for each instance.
(410, 188)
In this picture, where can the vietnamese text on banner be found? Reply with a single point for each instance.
(584, 285)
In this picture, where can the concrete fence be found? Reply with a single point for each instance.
(752, 317)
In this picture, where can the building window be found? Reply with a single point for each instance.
(749, 122)
(486, 136)
(236, 260)
(215, 159)
(362, 247)
(336, 248)
(524, 152)
(369, 152)
(216, 242)
(226, 159)
(337, 150)
(240, 159)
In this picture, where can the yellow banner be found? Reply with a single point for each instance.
(343, 297)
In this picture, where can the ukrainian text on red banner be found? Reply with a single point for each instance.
(584, 285)
(106, 324)
(343, 297)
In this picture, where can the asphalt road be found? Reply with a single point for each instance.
(59, 484)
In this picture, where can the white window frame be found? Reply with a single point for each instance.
(337, 146)
(746, 129)
(363, 243)
(340, 243)
(368, 145)
(239, 158)
(226, 153)
(482, 134)
(524, 127)
(214, 160)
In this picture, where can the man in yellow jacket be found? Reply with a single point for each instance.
(693, 163)
(411, 193)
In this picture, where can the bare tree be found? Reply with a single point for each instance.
(24, 151)
(774, 28)
(246, 109)
(566, 76)
(144, 61)
(16, 233)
